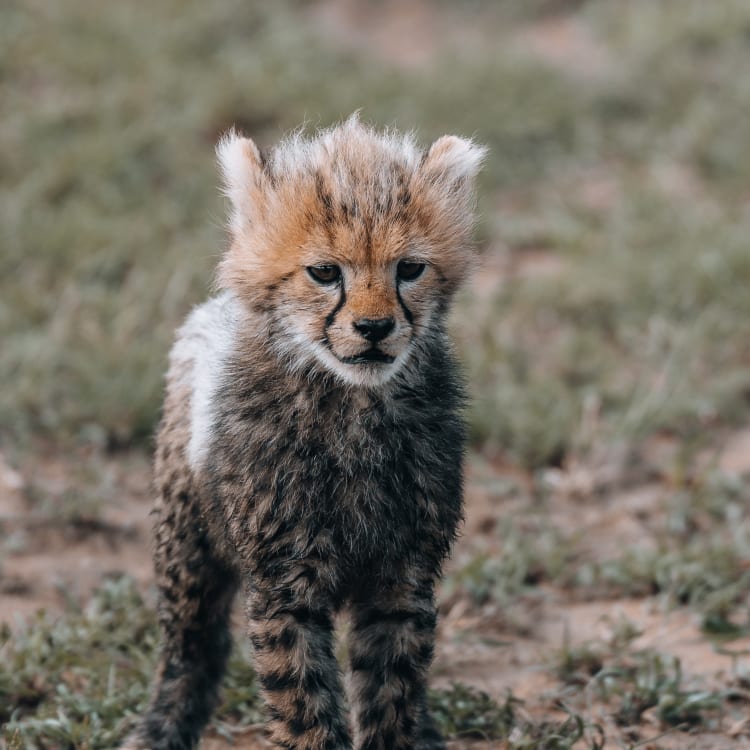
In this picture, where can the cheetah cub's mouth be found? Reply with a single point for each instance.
(369, 357)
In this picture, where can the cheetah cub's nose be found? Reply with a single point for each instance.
(374, 330)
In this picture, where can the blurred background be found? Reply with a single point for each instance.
(606, 338)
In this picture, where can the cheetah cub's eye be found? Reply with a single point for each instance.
(324, 274)
(408, 270)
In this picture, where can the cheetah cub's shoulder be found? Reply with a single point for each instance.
(310, 452)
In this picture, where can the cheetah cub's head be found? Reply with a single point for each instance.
(350, 243)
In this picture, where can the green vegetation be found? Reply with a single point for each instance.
(694, 553)
(697, 555)
(81, 679)
(462, 711)
(630, 176)
(505, 583)
(632, 681)
(708, 574)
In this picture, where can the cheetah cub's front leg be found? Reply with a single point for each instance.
(298, 672)
(390, 651)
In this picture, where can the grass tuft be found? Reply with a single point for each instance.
(463, 711)
(633, 681)
(81, 679)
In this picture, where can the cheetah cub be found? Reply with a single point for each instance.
(310, 451)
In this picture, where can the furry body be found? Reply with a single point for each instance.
(308, 459)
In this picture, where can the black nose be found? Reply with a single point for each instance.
(374, 330)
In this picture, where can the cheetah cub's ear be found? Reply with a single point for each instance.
(452, 163)
(444, 185)
(242, 171)
(447, 176)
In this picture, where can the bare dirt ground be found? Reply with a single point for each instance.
(56, 560)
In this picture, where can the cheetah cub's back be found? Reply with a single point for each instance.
(310, 451)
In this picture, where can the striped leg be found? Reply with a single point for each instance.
(195, 599)
(390, 648)
(299, 674)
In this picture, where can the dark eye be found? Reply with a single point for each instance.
(324, 274)
(408, 270)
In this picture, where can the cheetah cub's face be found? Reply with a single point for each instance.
(351, 243)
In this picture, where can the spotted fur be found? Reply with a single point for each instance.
(297, 469)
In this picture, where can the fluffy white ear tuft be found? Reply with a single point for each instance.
(453, 158)
(242, 170)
